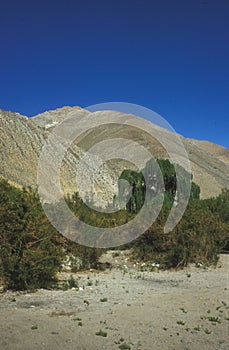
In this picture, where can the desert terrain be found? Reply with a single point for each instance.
(123, 307)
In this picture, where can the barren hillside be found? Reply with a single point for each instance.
(22, 139)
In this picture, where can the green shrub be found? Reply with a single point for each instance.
(124, 346)
(197, 238)
(103, 300)
(88, 257)
(30, 251)
(72, 282)
(101, 333)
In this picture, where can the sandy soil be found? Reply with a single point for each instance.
(183, 310)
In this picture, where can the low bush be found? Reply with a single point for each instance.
(197, 238)
(30, 248)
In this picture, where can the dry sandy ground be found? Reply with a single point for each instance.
(183, 310)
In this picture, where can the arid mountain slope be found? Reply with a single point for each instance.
(217, 151)
(21, 142)
(22, 139)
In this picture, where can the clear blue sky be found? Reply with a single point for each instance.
(171, 56)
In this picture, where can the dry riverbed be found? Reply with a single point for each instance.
(123, 309)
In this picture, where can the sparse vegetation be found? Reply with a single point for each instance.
(72, 282)
(214, 319)
(207, 331)
(124, 346)
(101, 333)
(34, 327)
(103, 300)
(183, 310)
(182, 323)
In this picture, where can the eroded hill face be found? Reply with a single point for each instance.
(22, 139)
(217, 151)
(21, 143)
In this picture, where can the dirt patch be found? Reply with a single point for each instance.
(183, 310)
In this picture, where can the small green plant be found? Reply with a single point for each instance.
(101, 333)
(182, 323)
(69, 284)
(207, 331)
(103, 322)
(197, 328)
(103, 300)
(34, 327)
(64, 286)
(124, 346)
(183, 310)
(90, 283)
(188, 275)
(72, 283)
(214, 319)
(77, 319)
(80, 324)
